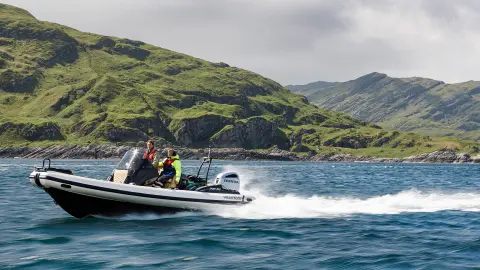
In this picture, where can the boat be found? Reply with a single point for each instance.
(124, 192)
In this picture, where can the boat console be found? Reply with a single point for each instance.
(133, 169)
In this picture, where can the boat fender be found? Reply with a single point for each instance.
(37, 179)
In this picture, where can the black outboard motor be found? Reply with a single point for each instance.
(133, 169)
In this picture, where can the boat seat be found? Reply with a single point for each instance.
(119, 176)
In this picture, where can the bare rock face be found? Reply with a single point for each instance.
(463, 158)
(440, 156)
(132, 51)
(15, 81)
(34, 132)
(256, 132)
(193, 131)
(151, 126)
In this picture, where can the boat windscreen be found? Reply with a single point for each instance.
(132, 160)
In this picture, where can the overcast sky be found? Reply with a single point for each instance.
(294, 41)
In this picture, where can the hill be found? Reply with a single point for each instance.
(310, 88)
(414, 104)
(62, 86)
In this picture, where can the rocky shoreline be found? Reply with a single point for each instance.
(112, 151)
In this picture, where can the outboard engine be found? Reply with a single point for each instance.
(228, 180)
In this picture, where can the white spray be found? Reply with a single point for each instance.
(292, 206)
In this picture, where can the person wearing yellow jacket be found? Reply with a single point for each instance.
(172, 170)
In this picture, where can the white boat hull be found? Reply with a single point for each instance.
(82, 197)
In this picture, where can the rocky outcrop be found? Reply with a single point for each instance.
(19, 82)
(104, 42)
(220, 65)
(33, 132)
(189, 131)
(132, 51)
(297, 139)
(441, 156)
(152, 126)
(340, 158)
(255, 133)
(63, 54)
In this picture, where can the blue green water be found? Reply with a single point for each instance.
(306, 216)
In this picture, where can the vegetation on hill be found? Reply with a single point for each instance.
(310, 88)
(62, 86)
(419, 105)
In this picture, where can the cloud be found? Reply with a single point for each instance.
(294, 41)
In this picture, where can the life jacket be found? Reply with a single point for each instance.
(149, 155)
(168, 169)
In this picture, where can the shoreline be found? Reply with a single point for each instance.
(113, 152)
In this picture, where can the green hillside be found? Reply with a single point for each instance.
(310, 88)
(408, 104)
(62, 86)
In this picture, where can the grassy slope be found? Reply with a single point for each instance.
(310, 88)
(409, 104)
(60, 85)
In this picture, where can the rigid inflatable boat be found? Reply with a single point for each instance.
(124, 191)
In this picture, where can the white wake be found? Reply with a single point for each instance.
(294, 206)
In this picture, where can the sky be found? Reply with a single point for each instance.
(294, 41)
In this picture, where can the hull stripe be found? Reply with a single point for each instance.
(138, 194)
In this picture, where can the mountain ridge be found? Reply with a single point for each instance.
(408, 104)
(310, 88)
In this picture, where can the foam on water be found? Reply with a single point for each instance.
(294, 206)
(290, 206)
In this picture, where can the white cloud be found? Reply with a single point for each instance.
(294, 41)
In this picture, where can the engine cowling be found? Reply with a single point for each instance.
(229, 180)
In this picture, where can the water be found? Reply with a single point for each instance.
(306, 216)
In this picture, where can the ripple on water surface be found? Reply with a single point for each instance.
(306, 216)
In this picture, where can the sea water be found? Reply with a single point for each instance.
(306, 215)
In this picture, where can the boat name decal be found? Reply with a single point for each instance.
(230, 181)
(232, 198)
